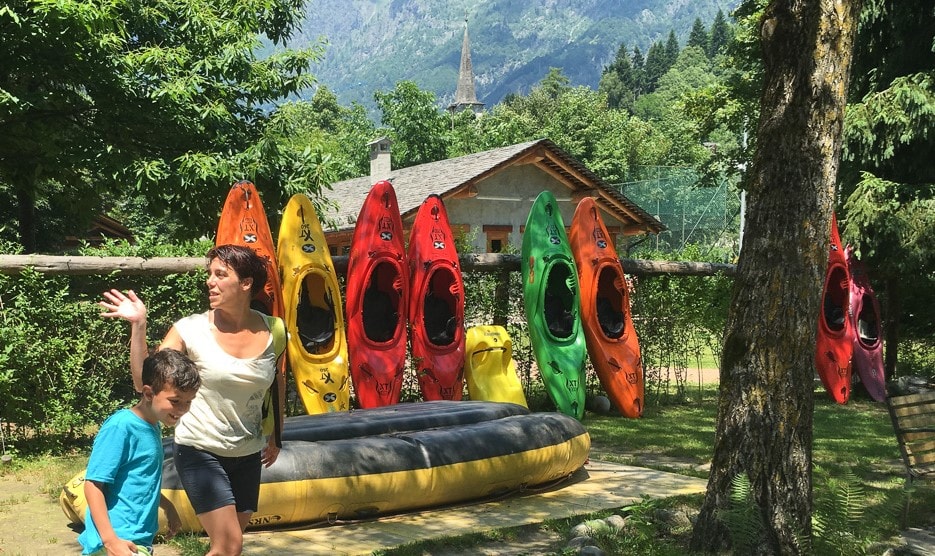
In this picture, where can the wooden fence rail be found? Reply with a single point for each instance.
(157, 266)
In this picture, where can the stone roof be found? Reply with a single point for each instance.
(449, 177)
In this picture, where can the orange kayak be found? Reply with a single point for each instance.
(835, 342)
(605, 310)
(436, 304)
(377, 299)
(243, 222)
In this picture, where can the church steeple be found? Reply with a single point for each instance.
(465, 97)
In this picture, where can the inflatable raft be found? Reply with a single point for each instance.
(366, 463)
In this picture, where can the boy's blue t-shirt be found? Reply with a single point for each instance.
(127, 458)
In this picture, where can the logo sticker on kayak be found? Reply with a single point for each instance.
(438, 238)
(248, 228)
(308, 248)
(305, 232)
(385, 225)
(599, 238)
(552, 230)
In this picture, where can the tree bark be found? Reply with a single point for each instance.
(764, 421)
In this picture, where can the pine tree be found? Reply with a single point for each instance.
(655, 65)
(672, 50)
(720, 35)
(698, 36)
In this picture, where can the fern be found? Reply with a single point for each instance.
(742, 519)
(842, 510)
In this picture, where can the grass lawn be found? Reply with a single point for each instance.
(858, 478)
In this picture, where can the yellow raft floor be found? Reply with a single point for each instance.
(597, 486)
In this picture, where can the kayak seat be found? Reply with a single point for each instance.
(834, 313)
(559, 318)
(611, 320)
(867, 331)
(379, 315)
(316, 326)
(440, 321)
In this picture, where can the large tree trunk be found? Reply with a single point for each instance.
(764, 422)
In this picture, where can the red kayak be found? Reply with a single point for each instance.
(376, 300)
(868, 332)
(835, 343)
(436, 304)
(605, 310)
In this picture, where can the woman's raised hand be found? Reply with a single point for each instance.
(127, 306)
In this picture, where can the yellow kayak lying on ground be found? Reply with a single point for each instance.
(489, 368)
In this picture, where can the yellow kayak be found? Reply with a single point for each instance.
(489, 368)
(314, 315)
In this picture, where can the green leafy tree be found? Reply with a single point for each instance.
(640, 85)
(618, 80)
(415, 124)
(888, 178)
(161, 99)
(691, 72)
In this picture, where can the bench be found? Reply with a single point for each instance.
(913, 418)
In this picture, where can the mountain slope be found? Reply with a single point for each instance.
(374, 44)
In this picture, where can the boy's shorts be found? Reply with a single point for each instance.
(213, 481)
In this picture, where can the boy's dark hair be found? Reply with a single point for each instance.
(245, 262)
(169, 367)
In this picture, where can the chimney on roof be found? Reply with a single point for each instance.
(380, 160)
(465, 97)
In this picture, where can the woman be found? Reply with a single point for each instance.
(219, 443)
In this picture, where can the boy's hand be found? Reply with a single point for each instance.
(128, 307)
(120, 547)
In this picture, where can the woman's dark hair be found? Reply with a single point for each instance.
(244, 261)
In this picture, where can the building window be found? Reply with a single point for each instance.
(498, 237)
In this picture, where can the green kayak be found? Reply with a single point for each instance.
(551, 298)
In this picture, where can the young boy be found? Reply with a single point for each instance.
(124, 474)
